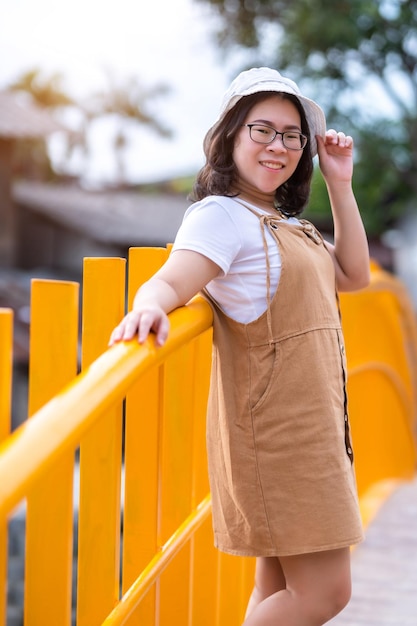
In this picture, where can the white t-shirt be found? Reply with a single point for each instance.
(229, 234)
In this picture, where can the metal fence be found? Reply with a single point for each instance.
(111, 464)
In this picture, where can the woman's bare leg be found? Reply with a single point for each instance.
(269, 578)
(318, 587)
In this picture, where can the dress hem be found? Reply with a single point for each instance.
(300, 550)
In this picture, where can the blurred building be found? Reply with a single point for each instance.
(20, 120)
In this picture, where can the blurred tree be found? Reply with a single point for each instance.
(31, 158)
(125, 101)
(359, 59)
(46, 91)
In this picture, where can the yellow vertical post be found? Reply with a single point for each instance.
(6, 367)
(248, 580)
(230, 585)
(203, 552)
(175, 495)
(204, 577)
(141, 453)
(52, 364)
(100, 453)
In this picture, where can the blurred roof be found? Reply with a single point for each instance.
(21, 118)
(118, 217)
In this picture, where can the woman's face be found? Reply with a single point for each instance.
(265, 167)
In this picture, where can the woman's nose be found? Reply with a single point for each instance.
(277, 144)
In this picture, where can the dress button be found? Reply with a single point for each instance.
(346, 418)
(349, 450)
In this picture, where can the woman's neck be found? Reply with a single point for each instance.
(254, 196)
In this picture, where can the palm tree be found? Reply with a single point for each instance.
(46, 92)
(124, 99)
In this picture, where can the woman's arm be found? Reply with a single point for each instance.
(183, 275)
(350, 251)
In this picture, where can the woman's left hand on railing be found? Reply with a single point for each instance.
(140, 322)
(184, 274)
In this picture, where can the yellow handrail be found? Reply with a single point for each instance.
(60, 424)
(157, 565)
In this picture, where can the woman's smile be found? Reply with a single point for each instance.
(273, 165)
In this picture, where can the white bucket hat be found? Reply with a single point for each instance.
(260, 79)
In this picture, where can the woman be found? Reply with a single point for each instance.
(280, 456)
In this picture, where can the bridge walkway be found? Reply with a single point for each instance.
(384, 566)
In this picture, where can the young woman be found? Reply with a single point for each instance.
(280, 456)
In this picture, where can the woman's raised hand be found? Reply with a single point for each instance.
(336, 156)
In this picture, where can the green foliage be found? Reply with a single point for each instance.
(358, 58)
(318, 210)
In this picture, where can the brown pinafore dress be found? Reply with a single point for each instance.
(280, 458)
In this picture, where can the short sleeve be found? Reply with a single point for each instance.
(208, 228)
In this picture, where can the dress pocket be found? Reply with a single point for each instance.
(264, 367)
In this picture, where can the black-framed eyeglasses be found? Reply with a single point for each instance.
(260, 133)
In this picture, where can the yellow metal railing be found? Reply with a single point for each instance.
(132, 421)
(144, 527)
(381, 345)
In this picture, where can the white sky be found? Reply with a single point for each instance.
(156, 41)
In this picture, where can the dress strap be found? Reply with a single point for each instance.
(271, 223)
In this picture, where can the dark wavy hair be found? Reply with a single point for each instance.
(219, 174)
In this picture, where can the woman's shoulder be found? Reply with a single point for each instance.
(208, 228)
(224, 203)
(210, 212)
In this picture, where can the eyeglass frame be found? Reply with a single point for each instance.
(277, 132)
